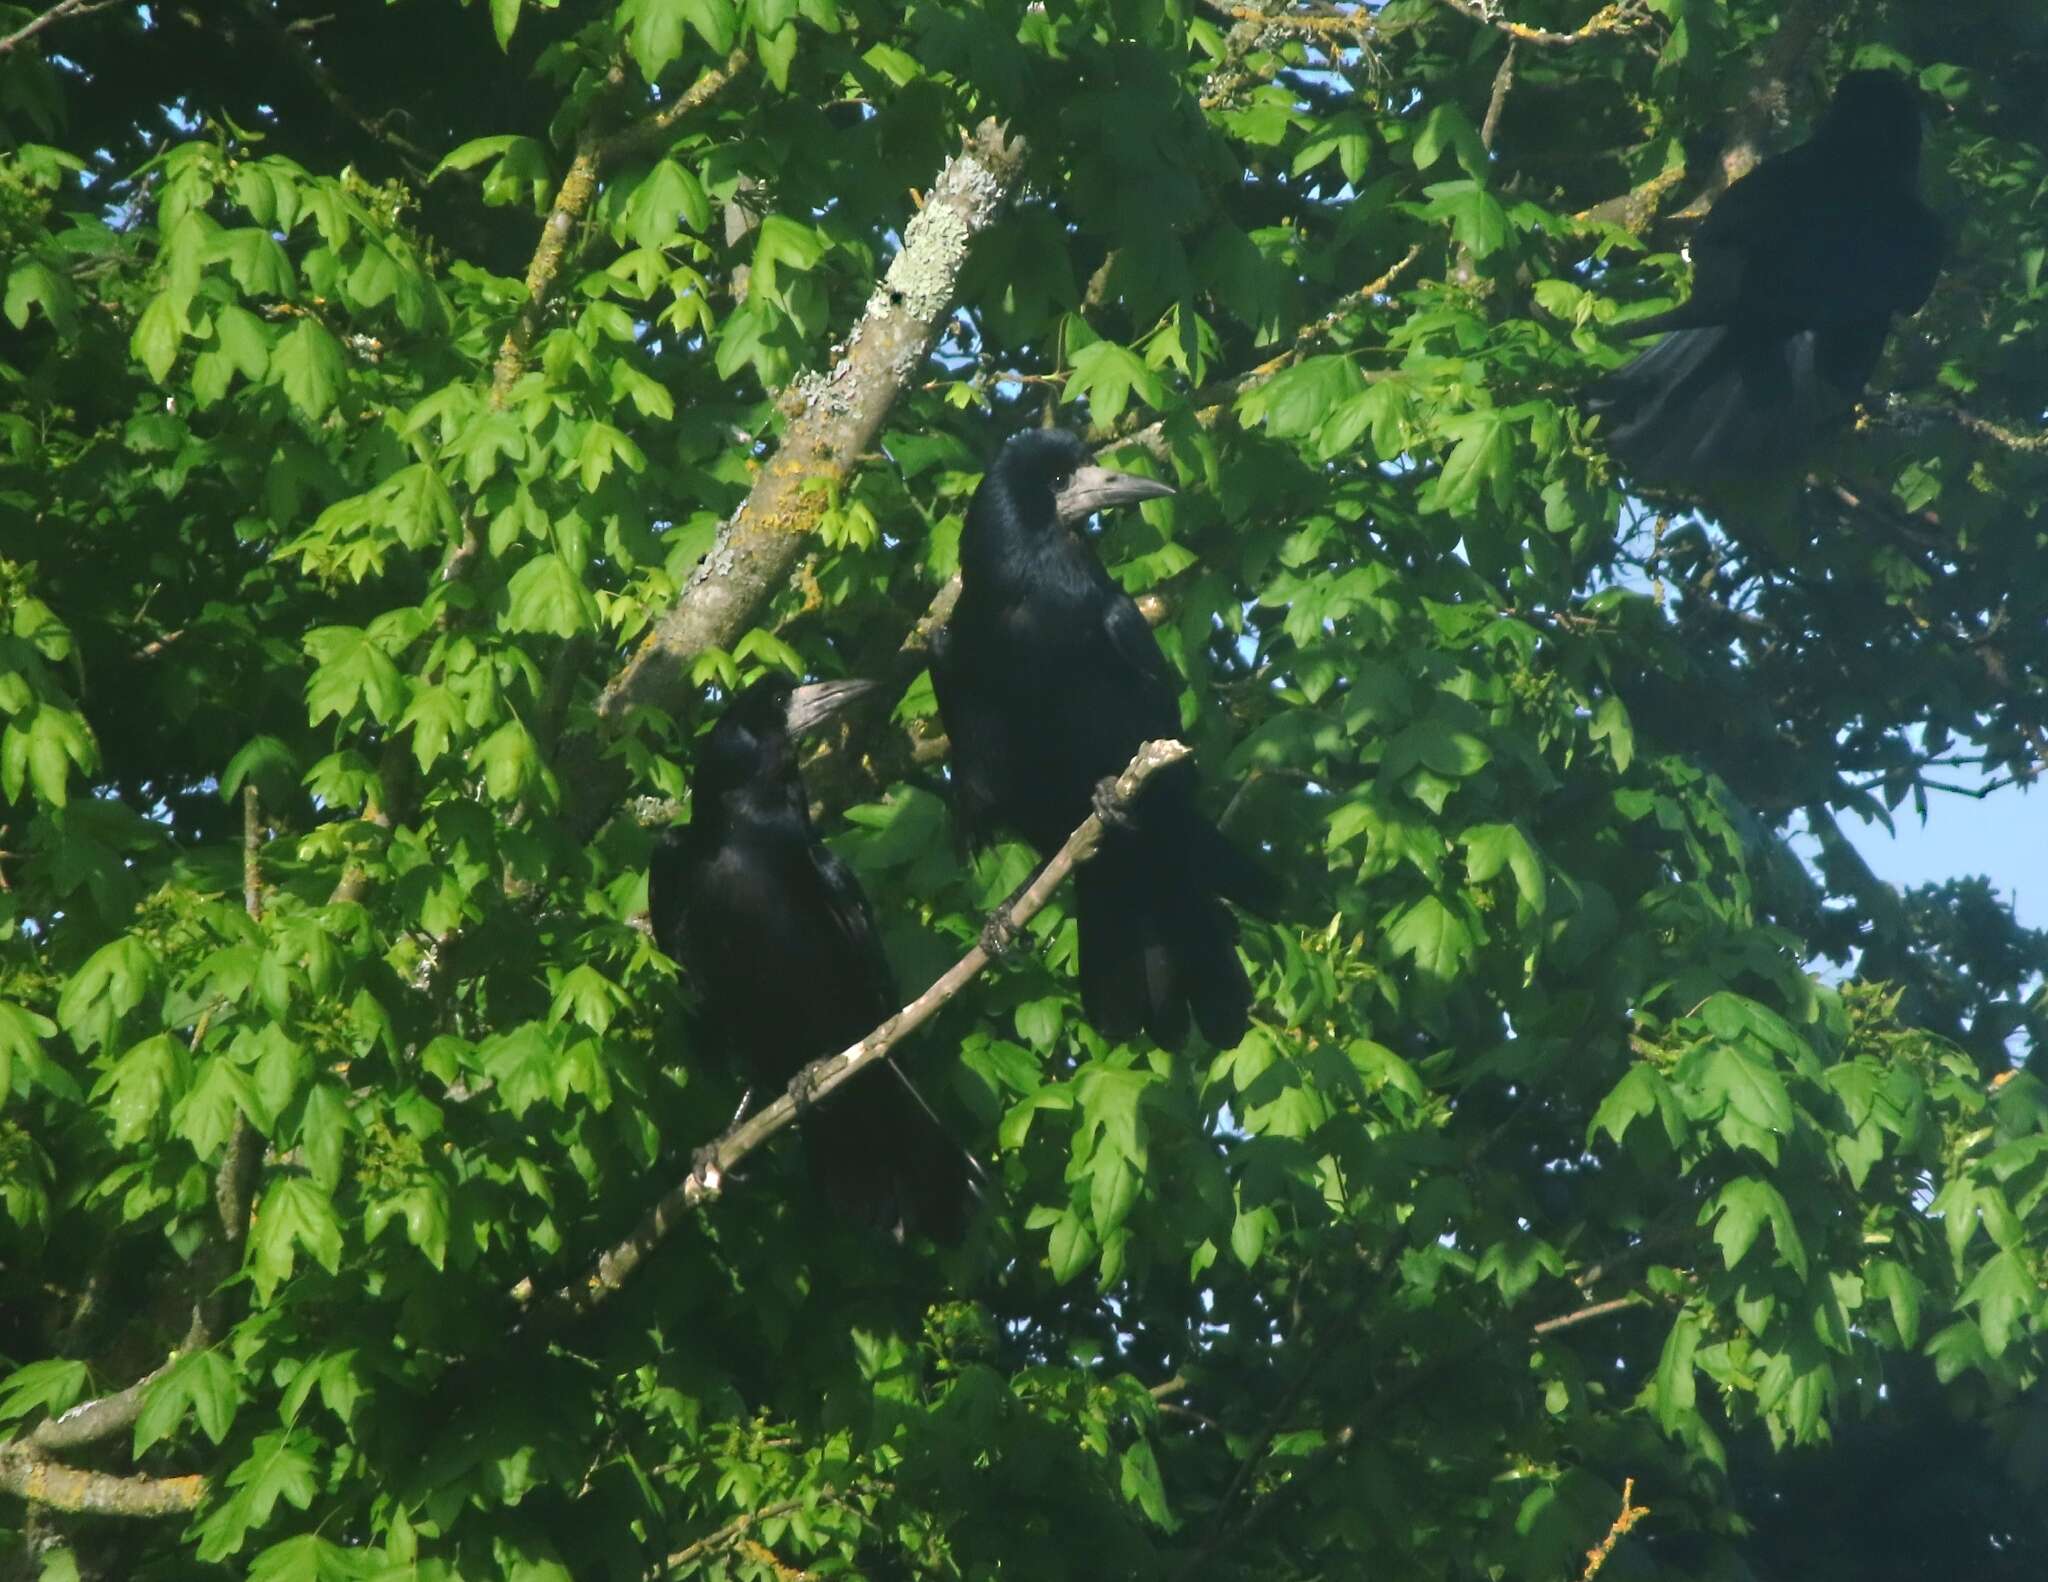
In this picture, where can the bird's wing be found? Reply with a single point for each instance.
(1134, 647)
(854, 919)
(972, 734)
(1747, 222)
(1916, 257)
(665, 901)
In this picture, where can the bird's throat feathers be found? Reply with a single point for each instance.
(1008, 545)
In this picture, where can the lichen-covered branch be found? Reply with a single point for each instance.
(1761, 100)
(64, 1488)
(823, 1076)
(572, 199)
(1624, 17)
(1634, 209)
(1230, 76)
(1898, 413)
(645, 134)
(835, 417)
(1628, 1516)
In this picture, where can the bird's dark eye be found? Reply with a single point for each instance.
(1060, 480)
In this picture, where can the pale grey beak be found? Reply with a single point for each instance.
(813, 704)
(1093, 489)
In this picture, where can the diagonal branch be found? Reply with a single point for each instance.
(106, 1416)
(716, 1543)
(1760, 100)
(1898, 413)
(835, 418)
(572, 202)
(824, 1076)
(62, 11)
(292, 44)
(645, 134)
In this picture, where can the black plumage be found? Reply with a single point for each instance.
(1048, 680)
(1797, 272)
(779, 942)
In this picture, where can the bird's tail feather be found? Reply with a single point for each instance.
(1156, 945)
(1717, 402)
(877, 1150)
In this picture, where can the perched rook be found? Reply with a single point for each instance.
(780, 944)
(1048, 679)
(1797, 272)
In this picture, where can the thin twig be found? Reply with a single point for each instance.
(293, 42)
(1497, 101)
(716, 1543)
(1584, 1315)
(1630, 1514)
(1363, 296)
(62, 11)
(824, 1076)
(1221, 1538)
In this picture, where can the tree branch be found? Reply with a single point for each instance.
(834, 418)
(1761, 100)
(572, 199)
(62, 11)
(1623, 17)
(292, 43)
(572, 202)
(1583, 1315)
(732, 1532)
(824, 1076)
(89, 1422)
(108, 1416)
(1765, 97)
(1626, 1518)
(1899, 414)
(645, 134)
(64, 1488)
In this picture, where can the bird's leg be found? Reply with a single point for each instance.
(1109, 807)
(1001, 935)
(704, 1167)
(803, 1088)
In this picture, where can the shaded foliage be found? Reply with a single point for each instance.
(1549, 1160)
